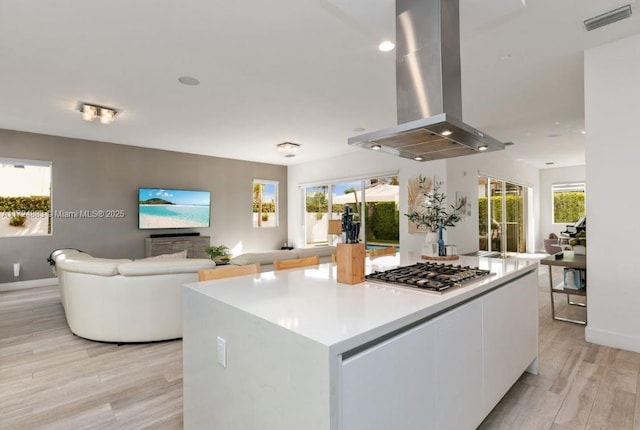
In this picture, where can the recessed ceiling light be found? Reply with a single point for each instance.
(376, 147)
(556, 122)
(583, 131)
(386, 46)
(359, 129)
(188, 80)
(483, 148)
(447, 133)
(418, 158)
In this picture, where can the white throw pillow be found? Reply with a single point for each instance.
(174, 256)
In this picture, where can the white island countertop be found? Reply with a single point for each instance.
(311, 303)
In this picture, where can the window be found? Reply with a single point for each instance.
(374, 202)
(265, 203)
(25, 197)
(568, 202)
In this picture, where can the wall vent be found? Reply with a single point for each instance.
(608, 18)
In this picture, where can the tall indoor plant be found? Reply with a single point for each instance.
(434, 214)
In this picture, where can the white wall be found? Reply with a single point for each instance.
(462, 176)
(363, 163)
(452, 172)
(612, 110)
(548, 177)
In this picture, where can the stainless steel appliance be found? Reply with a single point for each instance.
(431, 277)
(428, 88)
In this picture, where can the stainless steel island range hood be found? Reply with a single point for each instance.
(428, 88)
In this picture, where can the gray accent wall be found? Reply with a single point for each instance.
(97, 175)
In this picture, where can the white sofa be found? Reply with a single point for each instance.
(123, 300)
(266, 258)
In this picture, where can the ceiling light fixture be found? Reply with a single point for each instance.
(289, 149)
(608, 17)
(376, 147)
(483, 148)
(418, 158)
(91, 112)
(386, 46)
(447, 133)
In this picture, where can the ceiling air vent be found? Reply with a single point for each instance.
(608, 18)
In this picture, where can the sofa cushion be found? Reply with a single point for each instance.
(263, 257)
(166, 266)
(320, 251)
(90, 265)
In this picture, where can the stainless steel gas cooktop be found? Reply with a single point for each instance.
(432, 277)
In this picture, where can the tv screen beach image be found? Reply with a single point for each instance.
(163, 208)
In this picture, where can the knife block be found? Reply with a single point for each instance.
(350, 263)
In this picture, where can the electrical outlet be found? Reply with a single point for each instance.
(222, 352)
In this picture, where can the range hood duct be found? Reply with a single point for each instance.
(428, 88)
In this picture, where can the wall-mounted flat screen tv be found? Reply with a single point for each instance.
(161, 208)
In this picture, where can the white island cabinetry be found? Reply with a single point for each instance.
(303, 351)
(465, 359)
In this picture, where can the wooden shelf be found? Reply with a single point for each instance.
(559, 288)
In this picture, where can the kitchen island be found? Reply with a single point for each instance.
(297, 350)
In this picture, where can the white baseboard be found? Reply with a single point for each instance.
(23, 285)
(612, 339)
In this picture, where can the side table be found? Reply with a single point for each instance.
(572, 262)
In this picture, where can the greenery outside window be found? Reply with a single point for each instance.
(265, 203)
(25, 197)
(568, 202)
(374, 202)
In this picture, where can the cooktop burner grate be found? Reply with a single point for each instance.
(431, 277)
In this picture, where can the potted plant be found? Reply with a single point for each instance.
(220, 254)
(434, 214)
(579, 243)
(17, 220)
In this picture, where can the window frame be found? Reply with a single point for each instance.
(256, 223)
(567, 186)
(45, 215)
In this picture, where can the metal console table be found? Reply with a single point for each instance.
(573, 262)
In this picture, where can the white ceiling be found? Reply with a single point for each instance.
(305, 71)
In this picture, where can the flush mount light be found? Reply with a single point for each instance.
(386, 46)
(92, 112)
(483, 148)
(376, 147)
(89, 113)
(289, 149)
(447, 133)
(608, 18)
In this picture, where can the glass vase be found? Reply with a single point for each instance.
(441, 248)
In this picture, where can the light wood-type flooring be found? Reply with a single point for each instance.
(50, 379)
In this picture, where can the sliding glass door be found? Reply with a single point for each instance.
(374, 203)
(502, 216)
